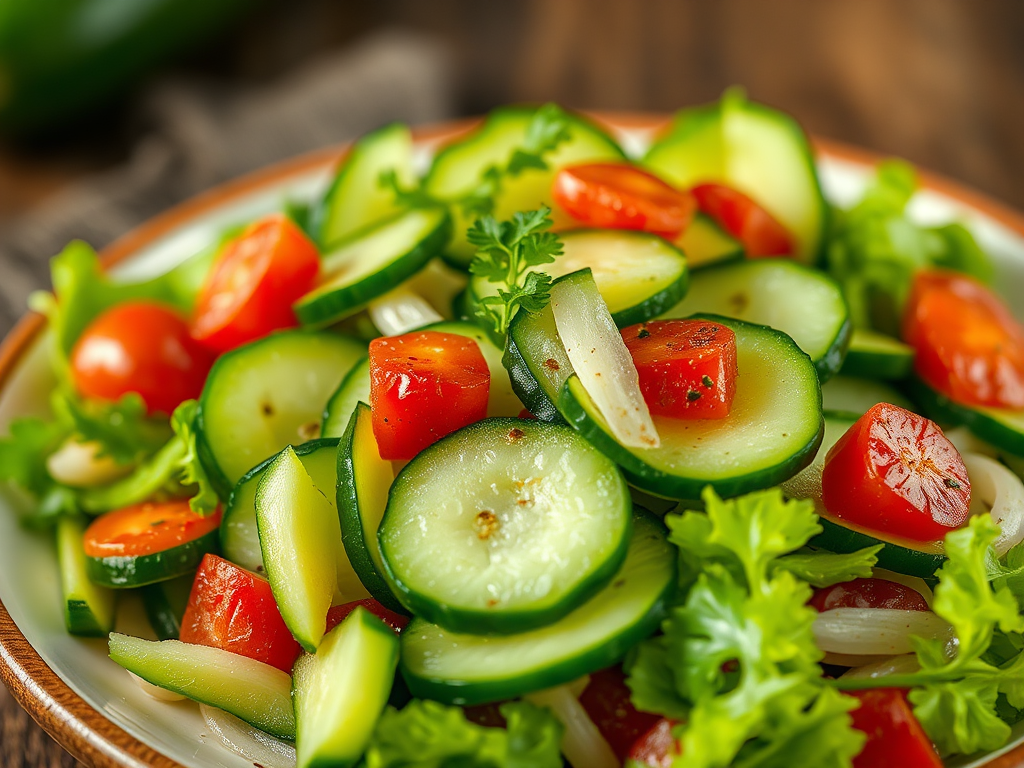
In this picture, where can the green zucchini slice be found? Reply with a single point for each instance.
(88, 608)
(875, 355)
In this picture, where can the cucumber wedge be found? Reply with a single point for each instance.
(754, 149)
(457, 169)
(877, 356)
(88, 608)
(472, 669)
(504, 526)
(804, 303)
(1003, 428)
(341, 691)
(165, 605)
(371, 262)
(706, 244)
(255, 402)
(356, 198)
(253, 691)
(354, 388)
(857, 395)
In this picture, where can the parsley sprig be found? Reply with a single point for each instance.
(507, 253)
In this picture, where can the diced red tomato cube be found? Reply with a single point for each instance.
(606, 700)
(687, 367)
(339, 613)
(895, 737)
(868, 593)
(424, 385)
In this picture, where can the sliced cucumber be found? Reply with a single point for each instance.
(356, 198)
(457, 168)
(754, 149)
(802, 302)
(259, 397)
(504, 526)
(536, 362)
(125, 571)
(165, 605)
(301, 542)
(88, 608)
(354, 388)
(364, 479)
(856, 395)
(876, 355)
(1003, 428)
(772, 431)
(253, 691)
(371, 262)
(472, 669)
(341, 691)
(705, 244)
(640, 275)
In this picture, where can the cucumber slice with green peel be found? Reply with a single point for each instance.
(706, 244)
(772, 431)
(126, 571)
(301, 541)
(457, 169)
(1001, 427)
(356, 198)
(754, 149)
(857, 395)
(473, 669)
(875, 355)
(250, 690)
(371, 262)
(340, 692)
(804, 303)
(354, 388)
(165, 605)
(364, 479)
(88, 608)
(504, 526)
(255, 401)
(536, 361)
(639, 275)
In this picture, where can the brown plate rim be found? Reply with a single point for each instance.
(73, 723)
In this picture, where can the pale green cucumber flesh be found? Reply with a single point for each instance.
(857, 395)
(706, 244)
(876, 355)
(88, 608)
(354, 388)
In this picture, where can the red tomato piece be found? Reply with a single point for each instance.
(617, 196)
(759, 232)
(140, 347)
(251, 289)
(234, 609)
(896, 473)
(967, 345)
(895, 737)
(144, 529)
(606, 700)
(868, 593)
(423, 386)
(339, 613)
(687, 367)
(657, 748)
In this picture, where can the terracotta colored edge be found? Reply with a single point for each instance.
(73, 723)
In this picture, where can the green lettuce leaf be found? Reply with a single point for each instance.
(823, 569)
(122, 429)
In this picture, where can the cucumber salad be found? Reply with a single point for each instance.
(553, 454)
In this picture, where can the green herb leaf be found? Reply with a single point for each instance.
(191, 470)
(823, 569)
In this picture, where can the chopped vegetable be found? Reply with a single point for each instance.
(895, 737)
(868, 593)
(760, 233)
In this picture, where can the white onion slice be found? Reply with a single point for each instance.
(852, 659)
(155, 691)
(401, 311)
(600, 358)
(248, 741)
(582, 743)
(875, 631)
(905, 664)
(996, 489)
(83, 465)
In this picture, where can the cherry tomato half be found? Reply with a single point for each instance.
(895, 737)
(896, 473)
(868, 593)
(251, 288)
(759, 232)
(145, 529)
(339, 613)
(140, 347)
(606, 700)
(617, 196)
(967, 345)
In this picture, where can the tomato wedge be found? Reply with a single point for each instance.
(896, 473)
(617, 196)
(868, 593)
(339, 613)
(606, 700)
(234, 609)
(895, 737)
(145, 529)
(423, 386)
(251, 289)
(967, 344)
(759, 231)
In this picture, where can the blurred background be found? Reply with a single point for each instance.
(112, 110)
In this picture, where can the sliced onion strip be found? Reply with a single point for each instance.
(905, 664)
(401, 311)
(248, 741)
(875, 631)
(582, 743)
(996, 489)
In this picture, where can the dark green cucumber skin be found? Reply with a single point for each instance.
(526, 387)
(159, 602)
(351, 525)
(80, 621)
(940, 408)
(829, 364)
(344, 301)
(124, 571)
(873, 364)
(221, 485)
(911, 562)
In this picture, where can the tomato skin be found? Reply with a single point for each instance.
(256, 279)
(617, 196)
(338, 613)
(233, 609)
(147, 528)
(606, 700)
(967, 345)
(868, 593)
(424, 385)
(895, 737)
(687, 367)
(140, 347)
(759, 231)
(657, 748)
(896, 473)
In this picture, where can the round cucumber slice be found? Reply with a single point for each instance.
(853, 394)
(354, 388)
(472, 669)
(706, 244)
(780, 293)
(504, 526)
(1003, 428)
(877, 356)
(771, 433)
